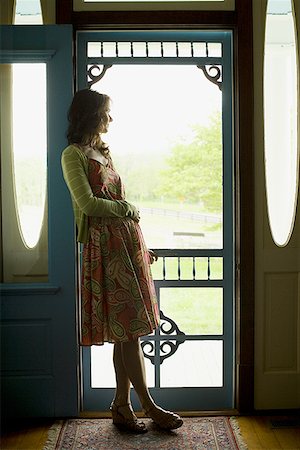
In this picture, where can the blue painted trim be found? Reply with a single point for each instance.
(28, 289)
(187, 337)
(154, 36)
(189, 252)
(192, 61)
(189, 283)
(169, 397)
(25, 56)
(228, 224)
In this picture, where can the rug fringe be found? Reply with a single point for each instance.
(237, 431)
(53, 434)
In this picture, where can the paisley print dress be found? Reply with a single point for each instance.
(118, 301)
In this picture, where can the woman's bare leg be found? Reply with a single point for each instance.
(121, 408)
(134, 364)
(133, 360)
(122, 394)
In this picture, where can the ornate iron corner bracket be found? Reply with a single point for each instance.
(166, 348)
(209, 74)
(96, 77)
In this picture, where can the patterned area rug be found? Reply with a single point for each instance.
(197, 433)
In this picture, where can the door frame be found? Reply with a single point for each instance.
(226, 393)
(240, 21)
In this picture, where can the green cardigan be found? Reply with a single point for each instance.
(75, 169)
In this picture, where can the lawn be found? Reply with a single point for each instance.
(166, 231)
(196, 310)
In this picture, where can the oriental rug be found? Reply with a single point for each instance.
(197, 433)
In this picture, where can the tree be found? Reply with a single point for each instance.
(193, 171)
(138, 176)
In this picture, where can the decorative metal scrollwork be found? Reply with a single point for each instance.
(149, 352)
(166, 348)
(94, 78)
(213, 78)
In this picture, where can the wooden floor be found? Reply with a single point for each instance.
(26, 435)
(270, 433)
(258, 433)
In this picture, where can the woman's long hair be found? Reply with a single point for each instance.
(85, 115)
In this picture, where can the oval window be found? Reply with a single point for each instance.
(30, 148)
(281, 105)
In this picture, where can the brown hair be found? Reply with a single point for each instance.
(85, 115)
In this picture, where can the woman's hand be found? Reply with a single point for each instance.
(133, 212)
(152, 256)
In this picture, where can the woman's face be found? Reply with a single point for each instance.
(105, 119)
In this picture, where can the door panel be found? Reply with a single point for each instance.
(38, 314)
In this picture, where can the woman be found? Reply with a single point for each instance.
(118, 302)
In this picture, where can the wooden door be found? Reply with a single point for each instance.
(38, 289)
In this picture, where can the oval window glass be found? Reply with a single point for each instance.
(280, 118)
(30, 148)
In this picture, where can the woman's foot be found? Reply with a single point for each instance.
(166, 420)
(125, 419)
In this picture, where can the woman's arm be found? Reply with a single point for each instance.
(80, 189)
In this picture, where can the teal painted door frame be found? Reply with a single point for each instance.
(213, 398)
(39, 352)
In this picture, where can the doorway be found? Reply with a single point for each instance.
(171, 141)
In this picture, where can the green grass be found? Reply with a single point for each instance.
(194, 310)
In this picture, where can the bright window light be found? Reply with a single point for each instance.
(28, 12)
(30, 148)
(281, 106)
